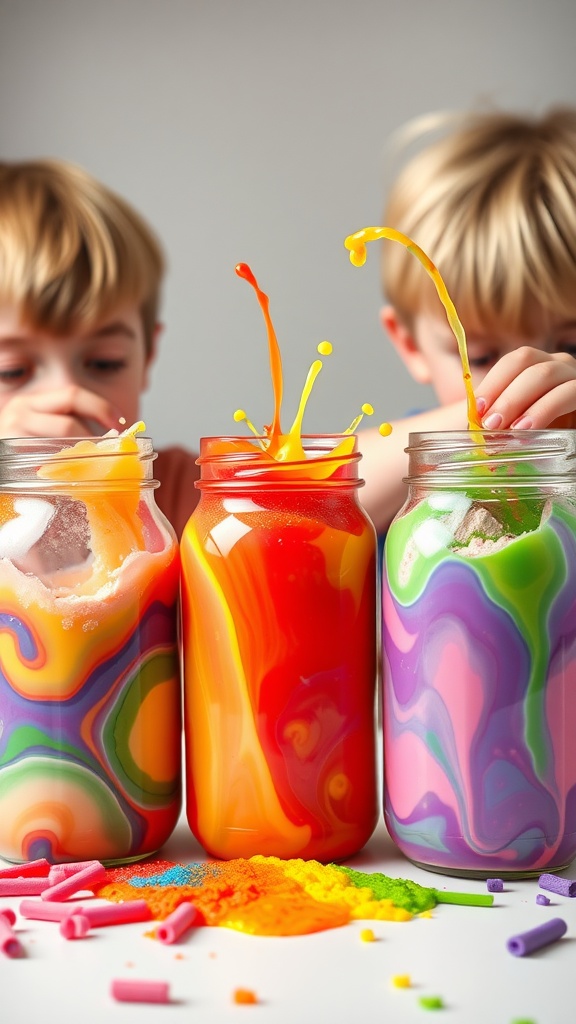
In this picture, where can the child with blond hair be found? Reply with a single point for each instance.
(492, 201)
(80, 279)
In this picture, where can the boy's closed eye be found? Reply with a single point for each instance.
(13, 374)
(105, 366)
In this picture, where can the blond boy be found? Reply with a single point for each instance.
(493, 202)
(80, 279)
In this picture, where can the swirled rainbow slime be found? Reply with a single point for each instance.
(480, 691)
(278, 603)
(89, 678)
(269, 896)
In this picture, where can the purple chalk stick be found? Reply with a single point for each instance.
(562, 886)
(542, 935)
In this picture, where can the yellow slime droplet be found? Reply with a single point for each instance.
(367, 410)
(325, 348)
(356, 244)
(240, 416)
(401, 980)
(385, 429)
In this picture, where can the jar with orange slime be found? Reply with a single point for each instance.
(279, 640)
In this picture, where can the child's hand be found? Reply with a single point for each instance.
(529, 389)
(69, 412)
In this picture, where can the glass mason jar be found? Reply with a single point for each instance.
(479, 642)
(90, 718)
(279, 642)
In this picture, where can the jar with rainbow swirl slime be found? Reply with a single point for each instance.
(90, 718)
(479, 644)
(279, 632)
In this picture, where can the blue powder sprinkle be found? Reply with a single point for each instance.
(177, 875)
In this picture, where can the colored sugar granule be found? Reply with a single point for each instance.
(401, 981)
(495, 885)
(244, 996)
(431, 1002)
(542, 900)
(367, 935)
(270, 896)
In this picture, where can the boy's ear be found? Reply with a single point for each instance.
(151, 355)
(405, 344)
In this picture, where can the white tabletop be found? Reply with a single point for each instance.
(458, 954)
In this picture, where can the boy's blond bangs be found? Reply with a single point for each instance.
(71, 251)
(494, 206)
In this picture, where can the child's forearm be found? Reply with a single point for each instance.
(384, 462)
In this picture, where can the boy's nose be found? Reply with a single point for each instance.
(56, 375)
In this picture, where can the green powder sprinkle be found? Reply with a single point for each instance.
(431, 1002)
(410, 895)
(402, 891)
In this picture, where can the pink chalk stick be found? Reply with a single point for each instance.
(180, 920)
(23, 886)
(39, 910)
(8, 915)
(9, 943)
(140, 991)
(58, 872)
(31, 867)
(117, 913)
(74, 926)
(83, 879)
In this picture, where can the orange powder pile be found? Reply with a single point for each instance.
(259, 896)
(269, 896)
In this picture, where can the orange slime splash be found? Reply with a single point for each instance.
(275, 443)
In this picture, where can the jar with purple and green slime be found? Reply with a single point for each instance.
(479, 654)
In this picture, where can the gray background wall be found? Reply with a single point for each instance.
(258, 131)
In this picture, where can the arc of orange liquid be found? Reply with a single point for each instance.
(288, 448)
(275, 430)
